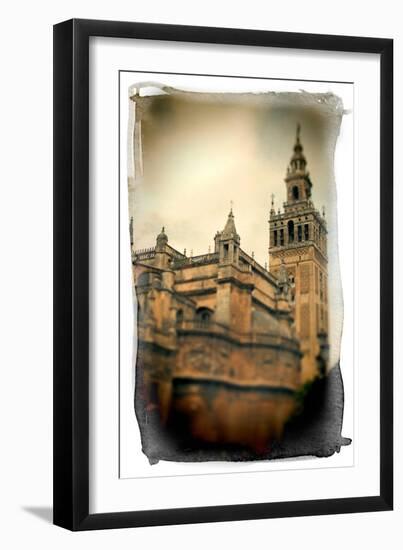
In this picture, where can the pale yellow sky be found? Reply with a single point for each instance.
(202, 151)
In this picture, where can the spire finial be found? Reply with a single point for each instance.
(272, 210)
(131, 230)
(232, 205)
(298, 131)
(323, 212)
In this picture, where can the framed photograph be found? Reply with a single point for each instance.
(223, 293)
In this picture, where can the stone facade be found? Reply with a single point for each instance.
(223, 343)
(217, 347)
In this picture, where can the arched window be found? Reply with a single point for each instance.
(203, 315)
(295, 192)
(290, 226)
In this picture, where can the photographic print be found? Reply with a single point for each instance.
(237, 334)
(220, 223)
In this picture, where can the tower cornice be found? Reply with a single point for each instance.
(301, 247)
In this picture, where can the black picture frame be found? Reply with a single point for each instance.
(71, 274)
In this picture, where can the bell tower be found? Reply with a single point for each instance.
(298, 242)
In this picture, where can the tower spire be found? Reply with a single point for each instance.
(298, 132)
(162, 239)
(230, 229)
(298, 160)
(227, 241)
(272, 210)
(131, 231)
(297, 179)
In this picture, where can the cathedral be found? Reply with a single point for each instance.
(225, 343)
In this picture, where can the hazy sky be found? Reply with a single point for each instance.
(202, 151)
